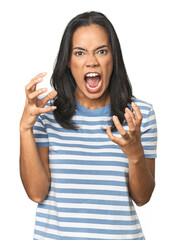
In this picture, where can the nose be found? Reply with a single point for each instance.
(92, 61)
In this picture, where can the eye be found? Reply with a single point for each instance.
(102, 52)
(79, 53)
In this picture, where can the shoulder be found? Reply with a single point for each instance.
(147, 111)
(142, 104)
(146, 108)
(148, 114)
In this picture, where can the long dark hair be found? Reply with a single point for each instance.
(63, 82)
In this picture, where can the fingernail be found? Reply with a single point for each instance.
(115, 118)
(133, 104)
(54, 107)
(44, 89)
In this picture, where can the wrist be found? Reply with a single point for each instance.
(24, 129)
(139, 157)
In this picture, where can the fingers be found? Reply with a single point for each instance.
(31, 86)
(130, 122)
(119, 127)
(111, 136)
(133, 122)
(127, 110)
(49, 97)
(137, 117)
(35, 94)
(45, 110)
(42, 102)
(32, 93)
(137, 113)
(130, 139)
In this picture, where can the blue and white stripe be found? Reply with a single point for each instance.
(88, 198)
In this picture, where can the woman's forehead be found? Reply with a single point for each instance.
(90, 37)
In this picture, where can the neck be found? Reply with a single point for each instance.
(92, 104)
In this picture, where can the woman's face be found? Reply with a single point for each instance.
(91, 62)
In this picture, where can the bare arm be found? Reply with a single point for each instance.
(35, 176)
(141, 180)
(141, 170)
(34, 169)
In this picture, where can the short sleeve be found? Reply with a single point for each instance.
(149, 134)
(40, 133)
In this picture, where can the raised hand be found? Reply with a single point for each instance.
(129, 142)
(34, 106)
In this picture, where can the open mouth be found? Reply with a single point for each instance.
(93, 82)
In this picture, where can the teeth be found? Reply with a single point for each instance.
(92, 75)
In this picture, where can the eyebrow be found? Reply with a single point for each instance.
(83, 49)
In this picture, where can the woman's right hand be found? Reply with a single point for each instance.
(34, 106)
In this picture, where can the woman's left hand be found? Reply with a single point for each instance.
(129, 142)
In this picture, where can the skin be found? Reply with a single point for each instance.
(141, 170)
(91, 53)
(84, 59)
(34, 167)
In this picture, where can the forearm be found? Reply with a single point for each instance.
(34, 177)
(141, 181)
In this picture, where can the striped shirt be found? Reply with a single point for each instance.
(88, 198)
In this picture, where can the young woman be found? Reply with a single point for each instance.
(90, 152)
